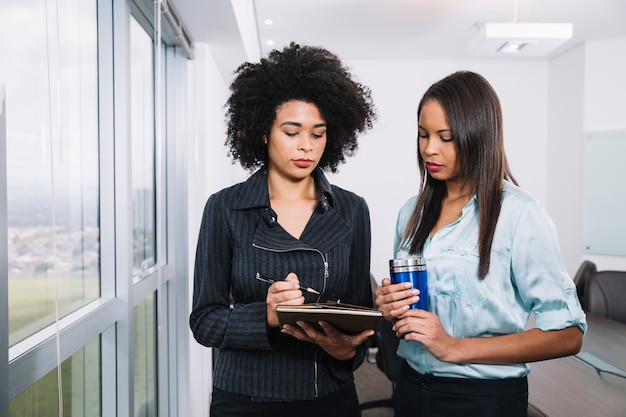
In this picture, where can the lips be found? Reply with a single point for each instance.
(302, 163)
(433, 167)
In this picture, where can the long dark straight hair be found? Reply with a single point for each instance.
(474, 115)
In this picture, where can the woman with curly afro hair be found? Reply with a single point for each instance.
(285, 236)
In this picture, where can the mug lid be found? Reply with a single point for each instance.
(401, 262)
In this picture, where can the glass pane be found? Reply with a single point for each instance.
(145, 358)
(80, 381)
(142, 140)
(50, 76)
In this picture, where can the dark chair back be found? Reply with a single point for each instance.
(605, 292)
(585, 270)
(534, 411)
(386, 342)
(386, 358)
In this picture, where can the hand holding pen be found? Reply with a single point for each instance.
(271, 280)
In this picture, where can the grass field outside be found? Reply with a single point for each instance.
(32, 301)
(81, 394)
(32, 307)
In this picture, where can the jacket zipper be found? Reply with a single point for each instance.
(324, 258)
(326, 274)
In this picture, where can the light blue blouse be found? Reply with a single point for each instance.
(526, 275)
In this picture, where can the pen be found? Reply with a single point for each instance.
(272, 280)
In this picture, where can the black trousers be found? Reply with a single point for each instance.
(343, 403)
(419, 395)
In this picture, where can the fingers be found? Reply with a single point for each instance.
(356, 339)
(286, 292)
(416, 325)
(394, 292)
(282, 292)
(395, 299)
(362, 337)
(292, 277)
(296, 331)
(304, 331)
(339, 345)
(310, 332)
(407, 329)
(279, 293)
(290, 283)
(325, 332)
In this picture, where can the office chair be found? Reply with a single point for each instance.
(585, 270)
(387, 360)
(534, 411)
(604, 294)
(386, 342)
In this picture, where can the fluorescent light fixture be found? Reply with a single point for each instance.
(520, 39)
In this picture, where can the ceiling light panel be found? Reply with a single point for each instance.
(532, 39)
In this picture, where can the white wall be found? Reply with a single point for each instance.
(384, 170)
(587, 92)
(565, 152)
(208, 171)
(605, 106)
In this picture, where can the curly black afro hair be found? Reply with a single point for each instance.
(305, 73)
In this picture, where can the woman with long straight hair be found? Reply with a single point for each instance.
(492, 259)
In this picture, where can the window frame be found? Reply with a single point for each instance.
(4, 262)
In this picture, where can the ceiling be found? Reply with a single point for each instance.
(387, 29)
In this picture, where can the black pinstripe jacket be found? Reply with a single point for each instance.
(239, 237)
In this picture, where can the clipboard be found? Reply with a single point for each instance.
(347, 318)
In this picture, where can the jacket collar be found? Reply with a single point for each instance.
(254, 191)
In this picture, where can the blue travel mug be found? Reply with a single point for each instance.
(411, 270)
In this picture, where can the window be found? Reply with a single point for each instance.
(143, 149)
(145, 358)
(52, 165)
(94, 285)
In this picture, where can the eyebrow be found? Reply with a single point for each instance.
(439, 131)
(300, 124)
